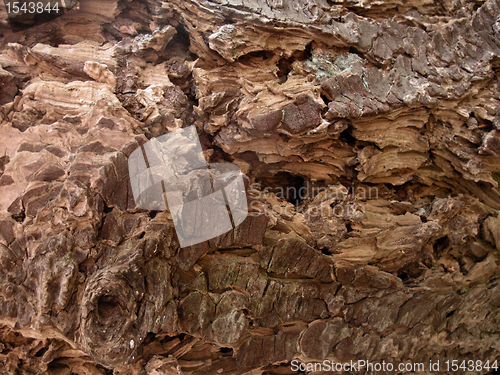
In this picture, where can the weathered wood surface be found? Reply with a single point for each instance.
(391, 107)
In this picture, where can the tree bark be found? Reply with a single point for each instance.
(368, 133)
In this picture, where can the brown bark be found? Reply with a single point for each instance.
(382, 115)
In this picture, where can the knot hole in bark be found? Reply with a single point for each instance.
(108, 308)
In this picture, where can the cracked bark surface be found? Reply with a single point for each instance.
(389, 109)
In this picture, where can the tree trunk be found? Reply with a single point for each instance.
(368, 134)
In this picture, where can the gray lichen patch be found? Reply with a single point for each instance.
(326, 63)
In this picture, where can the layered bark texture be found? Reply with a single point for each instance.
(368, 132)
